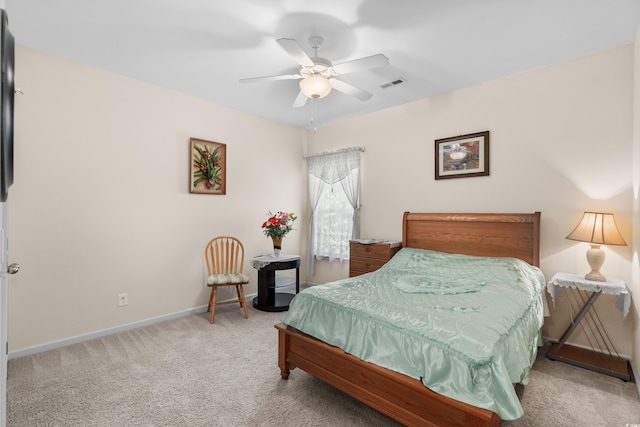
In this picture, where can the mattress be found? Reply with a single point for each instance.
(468, 327)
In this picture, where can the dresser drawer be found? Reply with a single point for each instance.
(373, 250)
(365, 264)
(368, 257)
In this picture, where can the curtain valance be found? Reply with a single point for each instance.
(334, 166)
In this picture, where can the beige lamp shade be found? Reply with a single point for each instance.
(315, 86)
(597, 228)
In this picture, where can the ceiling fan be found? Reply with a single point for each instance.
(318, 75)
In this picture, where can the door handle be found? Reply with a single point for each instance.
(13, 268)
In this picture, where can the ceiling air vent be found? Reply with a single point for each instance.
(395, 82)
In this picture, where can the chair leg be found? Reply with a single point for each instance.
(210, 299)
(214, 300)
(238, 294)
(243, 300)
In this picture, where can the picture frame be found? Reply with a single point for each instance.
(207, 167)
(462, 156)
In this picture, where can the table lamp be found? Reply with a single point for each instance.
(597, 228)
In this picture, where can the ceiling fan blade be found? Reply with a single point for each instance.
(366, 63)
(294, 49)
(271, 78)
(301, 99)
(349, 89)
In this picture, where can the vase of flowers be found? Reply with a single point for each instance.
(277, 226)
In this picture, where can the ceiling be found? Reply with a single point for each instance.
(203, 47)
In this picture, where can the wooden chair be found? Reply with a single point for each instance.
(224, 256)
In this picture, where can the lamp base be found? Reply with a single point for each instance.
(595, 258)
(596, 277)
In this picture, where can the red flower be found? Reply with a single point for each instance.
(279, 224)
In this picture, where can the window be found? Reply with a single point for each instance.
(334, 193)
(334, 224)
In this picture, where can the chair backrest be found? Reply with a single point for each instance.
(224, 255)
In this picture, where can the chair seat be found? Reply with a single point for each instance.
(232, 279)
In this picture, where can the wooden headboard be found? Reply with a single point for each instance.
(495, 234)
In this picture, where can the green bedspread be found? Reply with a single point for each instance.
(467, 327)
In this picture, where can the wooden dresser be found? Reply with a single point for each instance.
(366, 257)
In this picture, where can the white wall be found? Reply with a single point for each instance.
(561, 143)
(101, 204)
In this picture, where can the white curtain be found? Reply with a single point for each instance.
(316, 186)
(342, 166)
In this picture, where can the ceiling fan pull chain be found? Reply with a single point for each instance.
(313, 115)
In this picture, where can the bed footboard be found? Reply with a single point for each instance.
(402, 398)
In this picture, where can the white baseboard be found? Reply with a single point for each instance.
(310, 284)
(635, 375)
(28, 351)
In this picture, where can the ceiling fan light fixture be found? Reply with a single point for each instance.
(315, 86)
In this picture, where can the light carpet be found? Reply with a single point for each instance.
(187, 372)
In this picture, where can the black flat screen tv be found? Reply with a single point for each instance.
(7, 58)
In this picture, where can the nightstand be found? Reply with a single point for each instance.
(268, 298)
(606, 361)
(367, 255)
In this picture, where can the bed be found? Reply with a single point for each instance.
(405, 397)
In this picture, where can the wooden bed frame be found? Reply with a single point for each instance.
(396, 395)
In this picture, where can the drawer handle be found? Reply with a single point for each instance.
(367, 249)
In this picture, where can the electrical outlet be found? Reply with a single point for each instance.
(123, 299)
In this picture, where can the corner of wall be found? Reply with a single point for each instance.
(635, 273)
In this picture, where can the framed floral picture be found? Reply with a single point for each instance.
(462, 156)
(208, 168)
